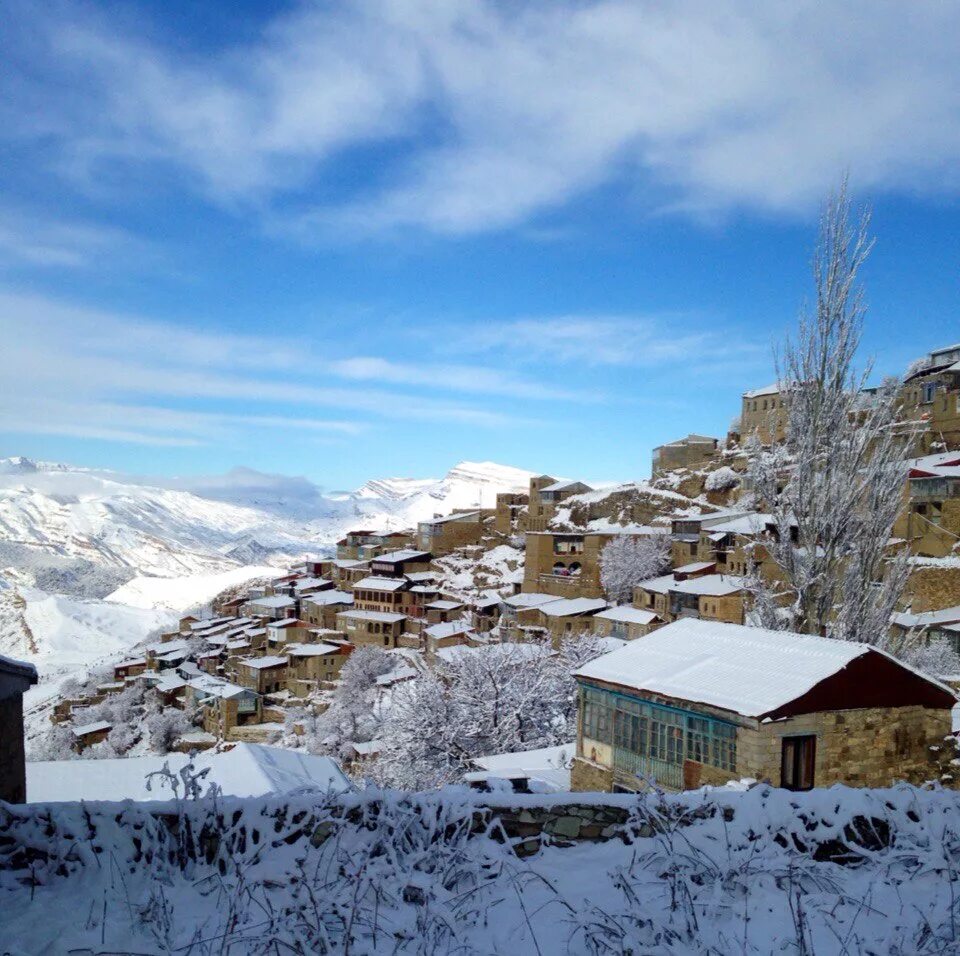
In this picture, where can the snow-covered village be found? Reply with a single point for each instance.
(663, 659)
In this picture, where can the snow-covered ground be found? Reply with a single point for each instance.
(756, 872)
(184, 593)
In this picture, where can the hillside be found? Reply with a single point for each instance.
(91, 562)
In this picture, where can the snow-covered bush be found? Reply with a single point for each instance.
(629, 559)
(723, 479)
(757, 871)
(164, 727)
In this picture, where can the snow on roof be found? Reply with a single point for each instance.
(563, 485)
(247, 770)
(630, 615)
(445, 605)
(310, 582)
(262, 663)
(567, 606)
(311, 650)
(422, 576)
(287, 622)
(375, 583)
(396, 675)
(448, 629)
(274, 600)
(404, 554)
(93, 728)
(10, 665)
(528, 599)
(382, 616)
(708, 585)
(218, 687)
(329, 597)
(457, 516)
(693, 567)
(766, 390)
(169, 683)
(509, 652)
(550, 765)
(947, 615)
(746, 670)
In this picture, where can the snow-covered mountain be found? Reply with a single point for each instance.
(91, 561)
(61, 525)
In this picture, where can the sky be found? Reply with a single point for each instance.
(368, 239)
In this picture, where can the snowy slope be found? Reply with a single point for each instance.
(60, 512)
(186, 593)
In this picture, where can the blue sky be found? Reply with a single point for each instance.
(365, 239)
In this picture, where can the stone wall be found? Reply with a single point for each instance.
(588, 777)
(931, 588)
(871, 747)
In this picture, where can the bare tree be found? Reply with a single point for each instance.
(835, 484)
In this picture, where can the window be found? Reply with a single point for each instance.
(797, 762)
(929, 390)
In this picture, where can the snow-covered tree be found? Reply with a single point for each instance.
(629, 559)
(351, 716)
(835, 485)
(55, 744)
(497, 699)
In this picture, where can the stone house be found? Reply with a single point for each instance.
(626, 623)
(692, 452)
(933, 625)
(265, 675)
(416, 599)
(545, 496)
(362, 545)
(311, 665)
(449, 634)
(131, 668)
(687, 533)
(930, 520)
(347, 573)
(440, 612)
(16, 678)
(440, 536)
(86, 735)
(518, 611)
(379, 593)
(223, 705)
(371, 627)
(921, 391)
(510, 512)
(567, 617)
(764, 414)
(402, 563)
(699, 703)
(289, 630)
(710, 597)
(271, 607)
(566, 564)
(321, 610)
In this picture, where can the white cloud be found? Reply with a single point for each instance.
(644, 342)
(502, 111)
(92, 373)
